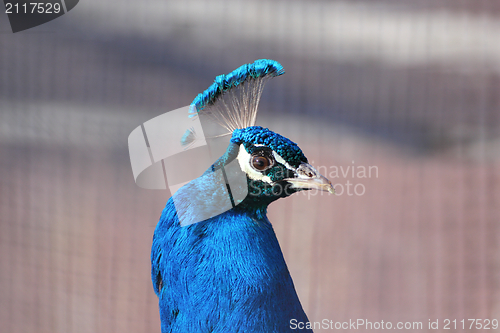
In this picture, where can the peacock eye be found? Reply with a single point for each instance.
(261, 163)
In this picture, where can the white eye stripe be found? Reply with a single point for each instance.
(281, 160)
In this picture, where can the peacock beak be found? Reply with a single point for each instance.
(309, 178)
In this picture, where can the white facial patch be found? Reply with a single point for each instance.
(244, 160)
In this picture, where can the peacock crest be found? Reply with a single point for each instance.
(232, 100)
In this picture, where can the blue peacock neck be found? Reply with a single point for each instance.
(233, 261)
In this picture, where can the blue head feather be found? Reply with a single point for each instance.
(259, 69)
(286, 148)
(237, 109)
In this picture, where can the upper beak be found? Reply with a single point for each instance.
(309, 178)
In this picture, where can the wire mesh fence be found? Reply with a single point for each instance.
(407, 92)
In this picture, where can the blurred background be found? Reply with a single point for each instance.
(409, 87)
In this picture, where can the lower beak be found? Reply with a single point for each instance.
(309, 178)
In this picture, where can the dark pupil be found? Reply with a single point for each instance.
(260, 162)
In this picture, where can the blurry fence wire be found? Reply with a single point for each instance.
(409, 88)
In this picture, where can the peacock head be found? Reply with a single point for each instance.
(259, 165)
(275, 166)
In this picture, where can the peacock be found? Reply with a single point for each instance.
(217, 265)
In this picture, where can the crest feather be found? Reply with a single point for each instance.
(188, 138)
(232, 100)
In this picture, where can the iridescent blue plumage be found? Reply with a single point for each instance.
(286, 148)
(259, 69)
(227, 273)
(233, 99)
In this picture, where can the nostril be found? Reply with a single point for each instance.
(305, 171)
